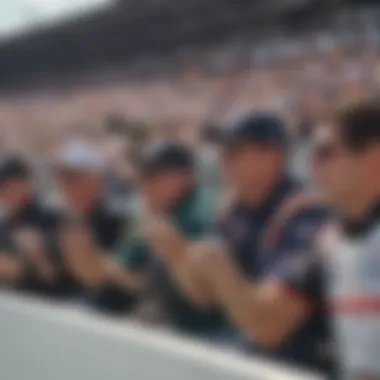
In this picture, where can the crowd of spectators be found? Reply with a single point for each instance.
(75, 164)
(296, 75)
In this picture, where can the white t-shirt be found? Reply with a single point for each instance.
(353, 267)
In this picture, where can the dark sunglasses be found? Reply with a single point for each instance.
(69, 175)
(232, 148)
(325, 151)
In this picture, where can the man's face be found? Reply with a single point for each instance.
(80, 187)
(248, 164)
(163, 189)
(338, 169)
(15, 192)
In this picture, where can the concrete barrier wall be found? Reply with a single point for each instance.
(44, 341)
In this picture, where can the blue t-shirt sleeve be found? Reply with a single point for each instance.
(298, 266)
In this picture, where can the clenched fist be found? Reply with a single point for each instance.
(162, 236)
(33, 246)
(82, 255)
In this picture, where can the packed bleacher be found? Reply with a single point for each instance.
(108, 171)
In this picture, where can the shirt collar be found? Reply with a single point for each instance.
(359, 227)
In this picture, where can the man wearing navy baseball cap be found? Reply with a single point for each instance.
(258, 127)
(259, 268)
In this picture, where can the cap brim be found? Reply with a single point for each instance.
(233, 141)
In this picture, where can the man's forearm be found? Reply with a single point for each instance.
(11, 269)
(236, 295)
(126, 280)
(259, 310)
(177, 253)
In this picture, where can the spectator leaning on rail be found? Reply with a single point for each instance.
(88, 227)
(27, 256)
(260, 274)
(133, 273)
(168, 185)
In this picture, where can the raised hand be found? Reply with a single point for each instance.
(33, 246)
(161, 234)
(83, 257)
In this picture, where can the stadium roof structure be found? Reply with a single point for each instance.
(23, 16)
(129, 28)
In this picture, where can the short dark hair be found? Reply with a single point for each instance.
(358, 123)
(159, 157)
(13, 167)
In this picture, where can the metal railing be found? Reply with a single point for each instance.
(45, 341)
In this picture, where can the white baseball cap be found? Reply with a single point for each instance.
(77, 155)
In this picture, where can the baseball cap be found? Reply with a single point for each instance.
(12, 167)
(166, 155)
(257, 126)
(80, 156)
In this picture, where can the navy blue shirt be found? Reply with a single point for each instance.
(266, 246)
(244, 228)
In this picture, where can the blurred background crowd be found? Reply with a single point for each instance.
(172, 67)
(82, 98)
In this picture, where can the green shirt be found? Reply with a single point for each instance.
(194, 217)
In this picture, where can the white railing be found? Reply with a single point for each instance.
(40, 340)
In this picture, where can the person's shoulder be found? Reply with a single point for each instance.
(301, 216)
(302, 204)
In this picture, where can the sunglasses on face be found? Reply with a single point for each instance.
(69, 176)
(235, 148)
(326, 151)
